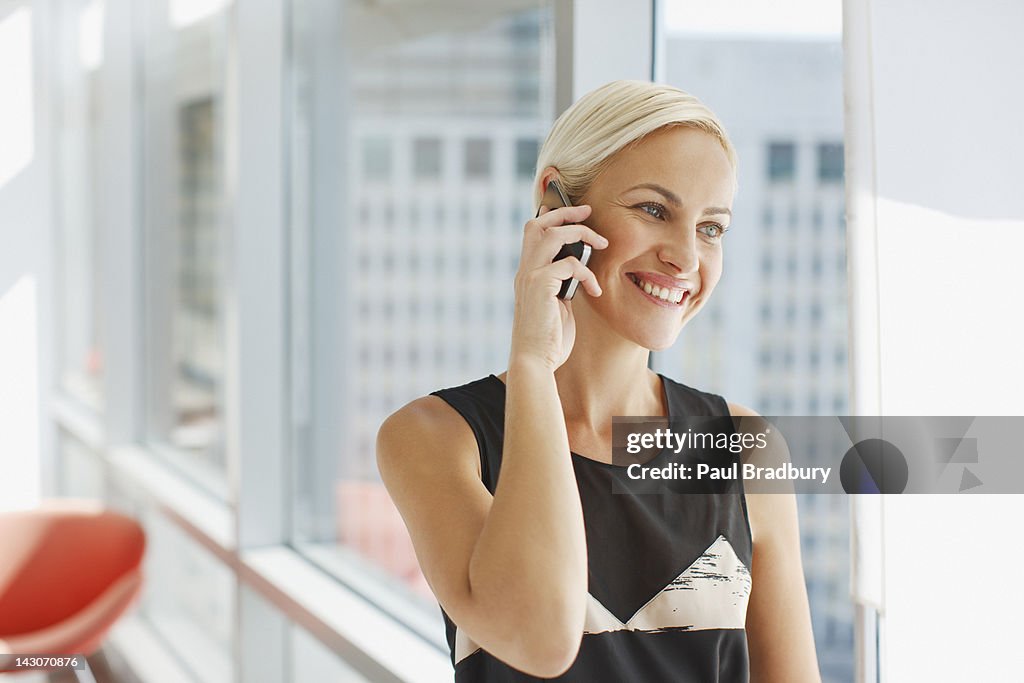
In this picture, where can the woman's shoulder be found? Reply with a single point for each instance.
(438, 425)
(424, 433)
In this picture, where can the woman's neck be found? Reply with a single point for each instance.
(604, 376)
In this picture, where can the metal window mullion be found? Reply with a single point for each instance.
(255, 393)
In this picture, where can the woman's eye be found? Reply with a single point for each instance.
(714, 230)
(654, 210)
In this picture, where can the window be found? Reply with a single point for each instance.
(183, 215)
(830, 162)
(816, 313)
(478, 158)
(781, 161)
(377, 158)
(426, 158)
(190, 599)
(526, 158)
(410, 108)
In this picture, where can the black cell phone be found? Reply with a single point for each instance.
(554, 198)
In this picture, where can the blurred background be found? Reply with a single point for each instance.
(255, 230)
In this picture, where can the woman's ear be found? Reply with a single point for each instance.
(550, 173)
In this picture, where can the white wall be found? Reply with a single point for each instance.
(937, 231)
(25, 318)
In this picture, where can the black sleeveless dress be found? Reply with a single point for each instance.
(669, 577)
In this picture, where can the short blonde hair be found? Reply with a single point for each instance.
(612, 117)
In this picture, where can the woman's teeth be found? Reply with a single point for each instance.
(664, 293)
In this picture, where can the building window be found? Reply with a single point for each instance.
(781, 161)
(830, 162)
(526, 158)
(426, 155)
(376, 158)
(478, 158)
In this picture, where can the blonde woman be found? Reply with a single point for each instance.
(543, 572)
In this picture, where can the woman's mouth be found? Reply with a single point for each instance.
(662, 296)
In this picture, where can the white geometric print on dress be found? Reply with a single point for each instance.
(712, 593)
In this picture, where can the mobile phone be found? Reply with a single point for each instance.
(554, 198)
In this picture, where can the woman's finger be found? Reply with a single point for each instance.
(563, 269)
(553, 239)
(550, 218)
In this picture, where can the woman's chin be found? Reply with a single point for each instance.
(658, 342)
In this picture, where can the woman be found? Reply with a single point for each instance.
(546, 573)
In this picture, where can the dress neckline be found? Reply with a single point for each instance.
(578, 457)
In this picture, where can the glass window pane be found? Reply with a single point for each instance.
(830, 162)
(478, 158)
(781, 161)
(455, 100)
(79, 166)
(426, 158)
(376, 158)
(311, 661)
(782, 89)
(184, 61)
(526, 157)
(189, 600)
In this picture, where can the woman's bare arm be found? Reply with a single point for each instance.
(510, 571)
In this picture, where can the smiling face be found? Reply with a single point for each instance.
(663, 204)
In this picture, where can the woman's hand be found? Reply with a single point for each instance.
(543, 328)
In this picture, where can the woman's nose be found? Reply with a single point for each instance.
(680, 252)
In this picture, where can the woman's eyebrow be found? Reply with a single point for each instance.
(673, 198)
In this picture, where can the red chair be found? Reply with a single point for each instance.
(68, 571)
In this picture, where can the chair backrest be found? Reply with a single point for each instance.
(57, 559)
